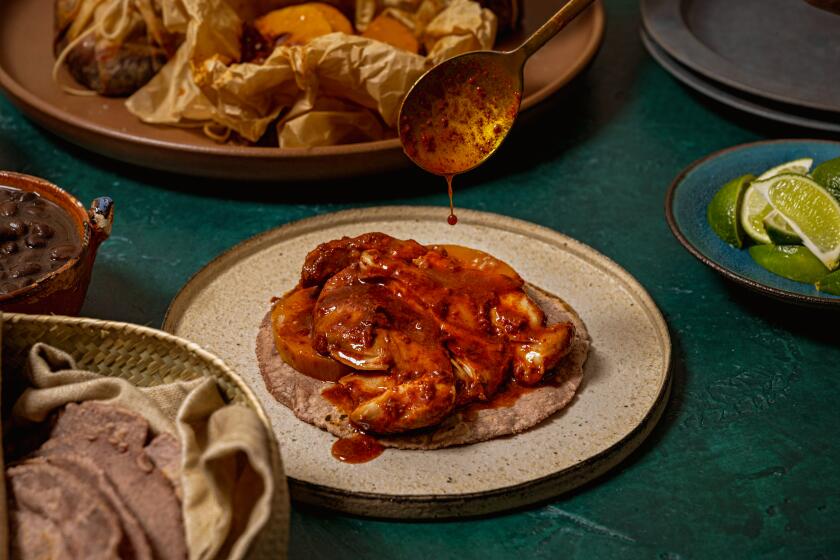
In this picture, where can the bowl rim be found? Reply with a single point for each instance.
(754, 285)
(79, 215)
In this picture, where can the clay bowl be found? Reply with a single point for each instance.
(62, 291)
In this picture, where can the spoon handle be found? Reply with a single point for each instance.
(549, 29)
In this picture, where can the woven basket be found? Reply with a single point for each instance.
(146, 357)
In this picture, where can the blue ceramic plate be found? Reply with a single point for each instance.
(691, 191)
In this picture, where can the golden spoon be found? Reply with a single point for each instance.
(459, 112)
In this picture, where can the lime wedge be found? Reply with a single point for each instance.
(754, 209)
(797, 166)
(779, 230)
(809, 209)
(722, 212)
(793, 262)
(827, 174)
(830, 284)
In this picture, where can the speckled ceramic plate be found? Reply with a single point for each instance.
(691, 191)
(105, 126)
(625, 386)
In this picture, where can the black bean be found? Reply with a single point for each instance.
(7, 233)
(41, 230)
(33, 212)
(25, 269)
(8, 208)
(33, 241)
(62, 252)
(8, 248)
(18, 227)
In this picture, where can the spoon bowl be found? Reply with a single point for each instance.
(459, 112)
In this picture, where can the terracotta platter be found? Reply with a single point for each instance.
(625, 387)
(105, 126)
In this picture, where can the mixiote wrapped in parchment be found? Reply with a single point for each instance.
(241, 66)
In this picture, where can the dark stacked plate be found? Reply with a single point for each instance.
(778, 59)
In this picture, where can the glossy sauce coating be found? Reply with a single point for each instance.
(422, 330)
(452, 219)
(359, 448)
(36, 237)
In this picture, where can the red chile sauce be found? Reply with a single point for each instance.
(473, 280)
(505, 398)
(461, 118)
(359, 448)
(508, 396)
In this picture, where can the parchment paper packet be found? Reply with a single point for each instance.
(113, 47)
(343, 80)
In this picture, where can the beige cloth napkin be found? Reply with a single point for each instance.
(227, 475)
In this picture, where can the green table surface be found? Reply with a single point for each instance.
(746, 460)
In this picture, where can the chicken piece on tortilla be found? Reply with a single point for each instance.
(426, 331)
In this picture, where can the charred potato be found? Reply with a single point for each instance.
(386, 29)
(291, 318)
(299, 24)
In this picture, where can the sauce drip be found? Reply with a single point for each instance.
(359, 448)
(339, 396)
(452, 219)
(507, 397)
